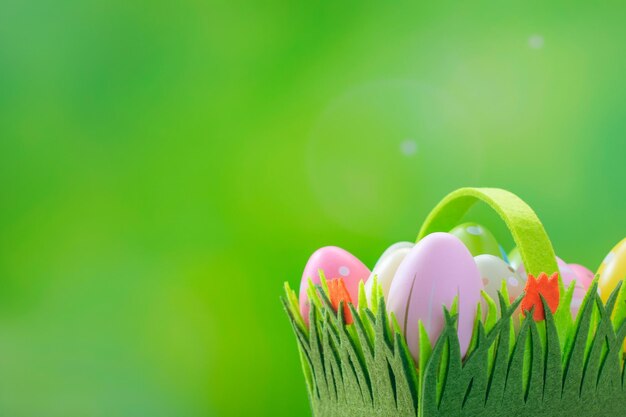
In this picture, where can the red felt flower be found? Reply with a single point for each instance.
(542, 285)
(338, 292)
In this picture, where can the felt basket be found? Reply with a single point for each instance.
(560, 366)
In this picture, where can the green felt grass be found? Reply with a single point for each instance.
(365, 369)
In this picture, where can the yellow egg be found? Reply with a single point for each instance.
(612, 270)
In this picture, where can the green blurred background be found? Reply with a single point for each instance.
(166, 166)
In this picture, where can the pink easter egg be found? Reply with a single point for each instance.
(334, 263)
(584, 275)
(435, 271)
(568, 275)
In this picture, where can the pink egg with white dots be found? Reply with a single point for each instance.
(333, 262)
(568, 275)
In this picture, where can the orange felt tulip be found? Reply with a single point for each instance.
(338, 292)
(542, 285)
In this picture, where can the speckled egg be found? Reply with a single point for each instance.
(435, 271)
(612, 269)
(477, 238)
(386, 268)
(568, 275)
(493, 271)
(334, 262)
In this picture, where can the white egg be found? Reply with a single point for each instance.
(394, 248)
(386, 268)
(493, 270)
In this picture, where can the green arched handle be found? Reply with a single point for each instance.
(528, 232)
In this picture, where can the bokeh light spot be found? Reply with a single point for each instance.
(408, 147)
(536, 41)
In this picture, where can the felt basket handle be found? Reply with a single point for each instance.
(528, 232)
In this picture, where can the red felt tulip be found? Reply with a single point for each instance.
(544, 286)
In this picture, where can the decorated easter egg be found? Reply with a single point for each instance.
(386, 268)
(493, 271)
(612, 269)
(435, 271)
(333, 262)
(568, 275)
(584, 275)
(477, 238)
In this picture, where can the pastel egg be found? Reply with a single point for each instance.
(584, 275)
(386, 268)
(493, 271)
(477, 239)
(435, 271)
(568, 275)
(334, 262)
(612, 270)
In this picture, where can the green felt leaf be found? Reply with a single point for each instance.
(492, 311)
(476, 374)
(490, 322)
(377, 294)
(620, 306)
(294, 307)
(474, 340)
(362, 300)
(454, 307)
(500, 366)
(431, 387)
(323, 281)
(575, 357)
(553, 368)
(313, 295)
(406, 379)
(449, 403)
(306, 370)
(537, 376)
(563, 316)
(425, 350)
(504, 294)
(516, 380)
